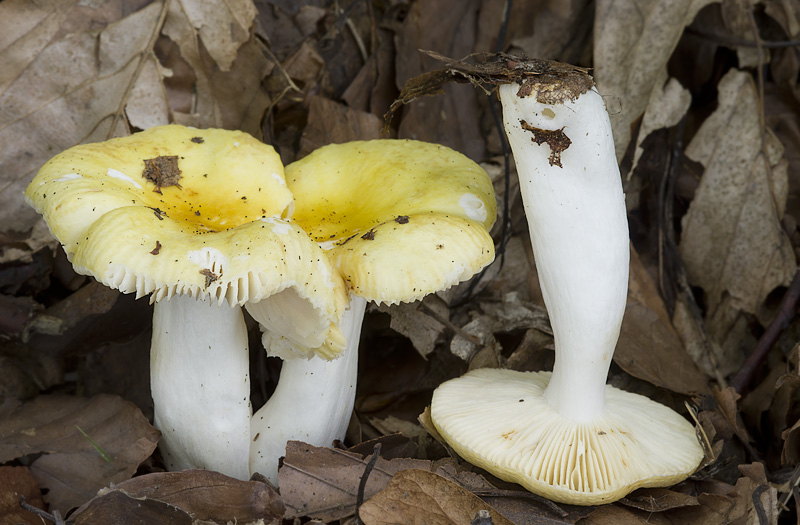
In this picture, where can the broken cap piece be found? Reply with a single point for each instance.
(401, 218)
(515, 434)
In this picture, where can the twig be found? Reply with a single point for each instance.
(786, 312)
(362, 485)
(55, 517)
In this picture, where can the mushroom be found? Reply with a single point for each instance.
(567, 435)
(197, 220)
(400, 219)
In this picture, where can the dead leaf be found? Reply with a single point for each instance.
(68, 92)
(118, 508)
(669, 102)
(658, 500)
(556, 30)
(633, 43)
(223, 25)
(452, 119)
(417, 323)
(418, 496)
(147, 104)
(322, 483)
(790, 454)
(16, 483)
(648, 347)
(221, 98)
(333, 123)
(733, 244)
(200, 494)
(72, 466)
(726, 401)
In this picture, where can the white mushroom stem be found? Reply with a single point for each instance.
(579, 233)
(312, 402)
(200, 381)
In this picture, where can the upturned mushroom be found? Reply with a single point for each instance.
(567, 435)
(400, 219)
(192, 218)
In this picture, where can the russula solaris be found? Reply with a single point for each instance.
(196, 219)
(567, 435)
(400, 219)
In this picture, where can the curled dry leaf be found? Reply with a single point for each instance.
(733, 244)
(633, 42)
(200, 494)
(419, 496)
(74, 465)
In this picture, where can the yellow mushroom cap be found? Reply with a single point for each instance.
(500, 421)
(177, 210)
(402, 218)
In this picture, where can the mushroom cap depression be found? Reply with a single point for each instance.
(401, 218)
(176, 210)
(514, 434)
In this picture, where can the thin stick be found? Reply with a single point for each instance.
(362, 485)
(55, 517)
(786, 312)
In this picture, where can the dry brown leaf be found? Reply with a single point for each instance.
(732, 244)
(147, 104)
(633, 42)
(118, 508)
(790, 454)
(417, 323)
(668, 103)
(222, 25)
(451, 119)
(658, 500)
(419, 496)
(16, 483)
(201, 494)
(648, 347)
(322, 483)
(71, 467)
(332, 123)
(727, 403)
(556, 29)
(227, 78)
(67, 92)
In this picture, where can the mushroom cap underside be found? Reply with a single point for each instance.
(499, 420)
(400, 218)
